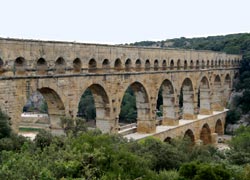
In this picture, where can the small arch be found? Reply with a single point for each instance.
(205, 134)
(168, 140)
(178, 64)
(190, 136)
(77, 65)
(156, 65)
(202, 64)
(219, 128)
(217, 81)
(215, 63)
(191, 64)
(105, 65)
(92, 65)
(118, 64)
(147, 65)
(208, 64)
(172, 64)
(185, 64)
(197, 64)
(128, 64)
(138, 65)
(219, 63)
(60, 66)
(41, 66)
(164, 64)
(212, 63)
(19, 66)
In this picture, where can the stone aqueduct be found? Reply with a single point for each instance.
(62, 71)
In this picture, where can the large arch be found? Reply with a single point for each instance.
(19, 66)
(190, 136)
(60, 66)
(205, 134)
(102, 106)
(219, 127)
(188, 99)
(144, 121)
(56, 108)
(41, 66)
(169, 111)
(204, 100)
(217, 95)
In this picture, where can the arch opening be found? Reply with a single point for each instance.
(94, 107)
(197, 64)
(186, 100)
(118, 65)
(172, 64)
(128, 64)
(164, 65)
(138, 65)
(156, 65)
(41, 66)
(219, 128)
(92, 66)
(60, 66)
(19, 66)
(185, 65)
(77, 65)
(147, 65)
(189, 135)
(217, 98)
(204, 102)
(165, 108)
(205, 135)
(178, 64)
(191, 64)
(139, 110)
(106, 65)
(168, 140)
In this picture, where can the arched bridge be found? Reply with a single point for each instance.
(62, 71)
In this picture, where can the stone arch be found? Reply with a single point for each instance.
(219, 63)
(60, 66)
(105, 65)
(202, 64)
(168, 140)
(147, 65)
(168, 105)
(92, 65)
(204, 101)
(208, 64)
(172, 64)
(156, 65)
(138, 65)
(212, 63)
(191, 64)
(41, 66)
(215, 63)
(77, 65)
(188, 99)
(197, 65)
(219, 127)
(178, 64)
(128, 65)
(56, 108)
(19, 66)
(222, 63)
(185, 64)
(164, 64)
(102, 105)
(189, 135)
(118, 65)
(144, 123)
(217, 95)
(205, 134)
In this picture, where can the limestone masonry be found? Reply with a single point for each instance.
(62, 71)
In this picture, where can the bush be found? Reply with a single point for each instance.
(5, 129)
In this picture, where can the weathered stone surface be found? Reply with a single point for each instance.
(62, 71)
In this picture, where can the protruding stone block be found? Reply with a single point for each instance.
(187, 116)
(146, 126)
(214, 138)
(205, 112)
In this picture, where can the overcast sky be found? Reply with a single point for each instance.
(121, 21)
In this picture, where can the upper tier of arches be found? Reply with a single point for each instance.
(61, 66)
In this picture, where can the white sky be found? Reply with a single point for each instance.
(121, 21)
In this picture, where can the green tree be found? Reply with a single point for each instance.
(5, 128)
